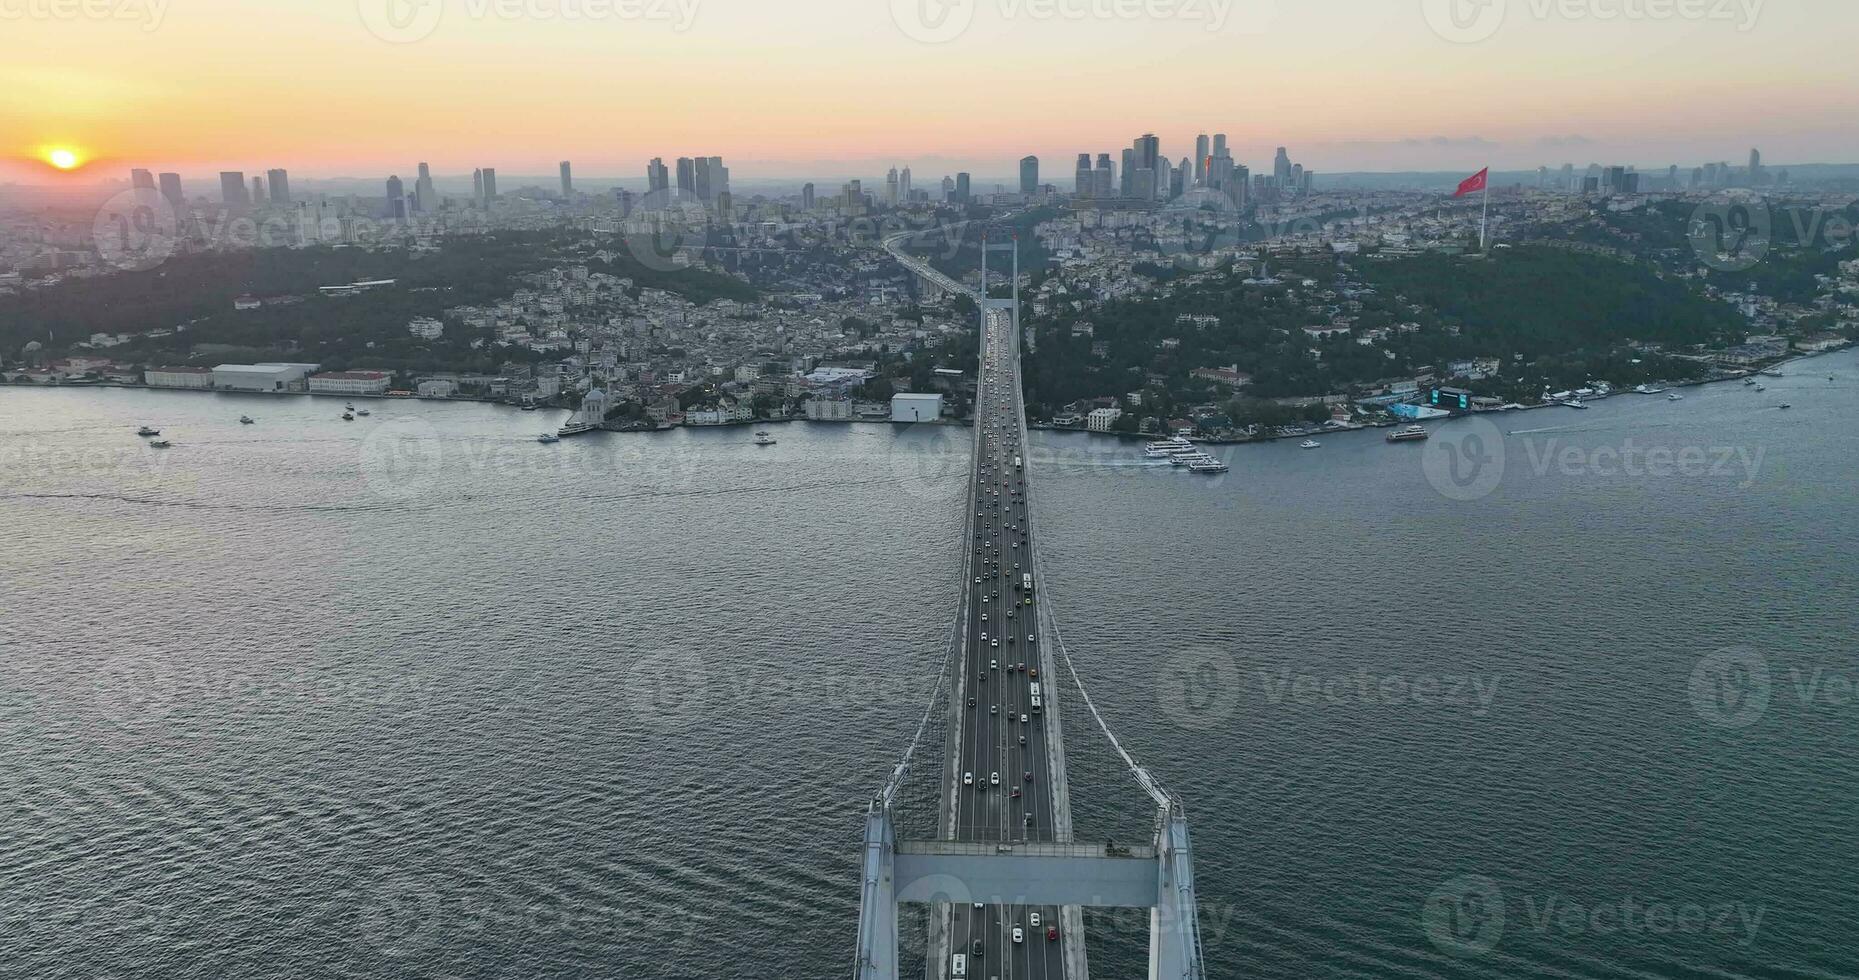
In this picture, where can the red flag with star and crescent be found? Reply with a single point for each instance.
(1474, 183)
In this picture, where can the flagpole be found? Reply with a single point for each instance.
(1484, 221)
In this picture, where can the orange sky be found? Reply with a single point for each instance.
(829, 87)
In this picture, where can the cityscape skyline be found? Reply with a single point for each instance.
(1377, 90)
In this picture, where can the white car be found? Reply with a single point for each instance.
(1022, 719)
(994, 665)
(1018, 936)
(1032, 919)
(968, 779)
(994, 779)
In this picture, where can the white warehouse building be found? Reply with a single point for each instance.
(350, 383)
(268, 376)
(915, 408)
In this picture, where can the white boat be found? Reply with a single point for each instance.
(1773, 372)
(1208, 465)
(1310, 444)
(764, 439)
(548, 437)
(1577, 403)
(576, 428)
(1675, 397)
(1762, 387)
(1412, 433)
(350, 406)
(363, 412)
(1748, 381)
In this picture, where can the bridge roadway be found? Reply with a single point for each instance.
(1006, 791)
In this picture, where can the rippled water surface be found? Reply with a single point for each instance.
(415, 695)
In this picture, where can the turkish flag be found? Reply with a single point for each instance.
(1474, 183)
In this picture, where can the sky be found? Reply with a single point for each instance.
(828, 89)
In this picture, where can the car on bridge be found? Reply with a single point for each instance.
(968, 779)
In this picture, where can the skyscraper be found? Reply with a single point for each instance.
(1281, 169)
(1029, 175)
(1082, 180)
(903, 185)
(490, 185)
(1105, 177)
(687, 177)
(890, 188)
(280, 186)
(948, 189)
(700, 180)
(961, 187)
(171, 189)
(396, 200)
(719, 178)
(477, 188)
(806, 197)
(567, 180)
(232, 190)
(258, 191)
(1181, 179)
(1200, 160)
(141, 180)
(424, 197)
(657, 178)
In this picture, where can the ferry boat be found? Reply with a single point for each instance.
(148, 431)
(1310, 444)
(548, 437)
(246, 420)
(764, 439)
(576, 428)
(1412, 433)
(1208, 465)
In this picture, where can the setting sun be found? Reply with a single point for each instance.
(62, 158)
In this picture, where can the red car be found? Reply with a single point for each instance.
(1052, 933)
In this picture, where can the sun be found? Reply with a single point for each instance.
(62, 158)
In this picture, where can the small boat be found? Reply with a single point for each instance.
(159, 443)
(548, 437)
(764, 439)
(1773, 372)
(529, 408)
(1675, 397)
(246, 420)
(364, 412)
(1310, 444)
(1762, 387)
(1577, 403)
(1412, 433)
(348, 416)
(1786, 406)
(349, 406)
(1748, 381)
(148, 431)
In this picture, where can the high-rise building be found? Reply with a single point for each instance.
(1281, 169)
(948, 189)
(1296, 187)
(141, 180)
(1105, 177)
(232, 190)
(396, 200)
(424, 197)
(1128, 175)
(903, 185)
(890, 188)
(806, 197)
(687, 177)
(1083, 180)
(280, 186)
(1181, 179)
(1200, 160)
(258, 191)
(962, 193)
(171, 189)
(1755, 168)
(477, 188)
(1219, 149)
(719, 178)
(567, 180)
(657, 178)
(1029, 175)
(700, 180)
(490, 185)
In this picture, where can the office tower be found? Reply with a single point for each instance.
(687, 177)
(232, 190)
(1308, 181)
(1029, 175)
(903, 186)
(1220, 145)
(280, 186)
(961, 187)
(1568, 178)
(657, 178)
(948, 189)
(719, 177)
(567, 180)
(141, 180)
(490, 185)
(425, 198)
(700, 179)
(1148, 153)
(1081, 178)
(806, 197)
(1671, 177)
(724, 207)
(1129, 172)
(1182, 179)
(1755, 165)
(1281, 168)
(477, 188)
(258, 191)
(1697, 176)
(855, 195)
(1239, 184)
(890, 188)
(171, 189)
(1106, 177)
(1296, 187)
(396, 200)
(1200, 160)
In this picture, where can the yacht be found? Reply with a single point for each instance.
(1411, 433)
(1310, 444)
(764, 439)
(246, 420)
(548, 437)
(1184, 459)
(148, 431)
(1208, 465)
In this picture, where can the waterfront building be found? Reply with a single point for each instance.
(350, 383)
(907, 407)
(178, 377)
